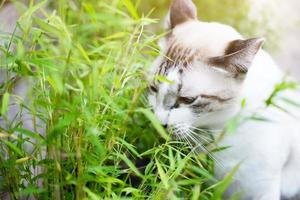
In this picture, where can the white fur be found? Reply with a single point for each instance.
(269, 152)
(222, 33)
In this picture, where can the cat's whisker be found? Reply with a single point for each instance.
(187, 134)
(204, 149)
(193, 147)
(178, 131)
(180, 125)
(184, 135)
(185, 139)
(206, 130)
(207, 139)
(202, 137)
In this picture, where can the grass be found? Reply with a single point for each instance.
(92, 135)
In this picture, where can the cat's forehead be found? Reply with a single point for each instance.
(202, 79)
(208, 39)
(197, 78)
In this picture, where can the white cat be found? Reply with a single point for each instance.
(212, 69)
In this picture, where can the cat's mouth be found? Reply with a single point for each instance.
(179, 131)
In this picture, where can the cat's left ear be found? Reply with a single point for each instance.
(238, 56)
(181, 11)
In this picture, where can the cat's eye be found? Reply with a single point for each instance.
(153, 88)
(176, 105)
(201, 105)
(186, 100)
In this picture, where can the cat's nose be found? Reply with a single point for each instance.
(162, 116)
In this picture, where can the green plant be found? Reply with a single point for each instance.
(85, 63)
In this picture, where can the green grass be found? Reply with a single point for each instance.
(87, 63)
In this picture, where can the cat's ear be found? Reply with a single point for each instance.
(182, 11)
(238, 56)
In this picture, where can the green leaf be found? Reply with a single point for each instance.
(130, 147)
(5, 102)
(291, 102)
(29, 134)
(130, 190)
(132, 10)
(243, 103)
(225, 183)
(31, 190)
(84, 53)
(164, 178)
(260, 118)
(164, 79)
(232, 125)
(91, 194)
(13, 147)
(203, 172)
(196, 192)
(155, 123)
(130, 165)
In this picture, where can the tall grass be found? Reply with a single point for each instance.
(93, 135)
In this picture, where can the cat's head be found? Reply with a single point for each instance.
(204, 65)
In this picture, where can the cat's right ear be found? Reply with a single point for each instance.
(182, 11)
(238, 56)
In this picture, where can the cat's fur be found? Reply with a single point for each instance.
(211, 69)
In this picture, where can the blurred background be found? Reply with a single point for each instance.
(276, 20)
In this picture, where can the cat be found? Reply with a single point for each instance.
(210, 70)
